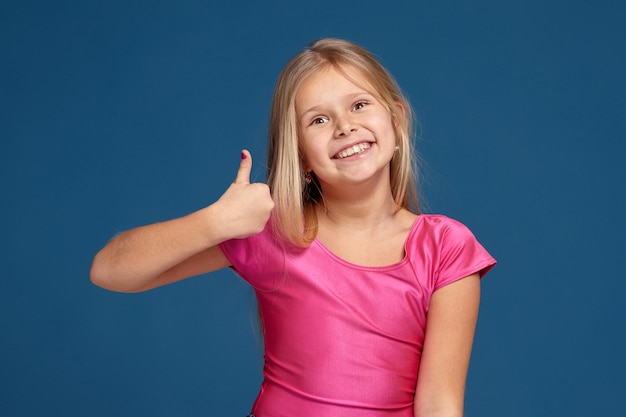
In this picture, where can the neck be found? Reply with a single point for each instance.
(355, 209)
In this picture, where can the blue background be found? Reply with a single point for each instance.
(120, 113)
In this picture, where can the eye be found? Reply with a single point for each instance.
(359, 105)
(319, 120)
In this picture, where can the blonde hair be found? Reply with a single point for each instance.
(294, 217)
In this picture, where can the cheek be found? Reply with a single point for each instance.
(310, 142)
(311, 151)
(307, 150)
(387, 125)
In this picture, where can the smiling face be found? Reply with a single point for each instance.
(347, 136)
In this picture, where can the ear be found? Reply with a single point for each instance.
(394, 116)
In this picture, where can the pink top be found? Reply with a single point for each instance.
(345, 340)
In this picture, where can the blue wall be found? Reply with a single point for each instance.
(116, 114)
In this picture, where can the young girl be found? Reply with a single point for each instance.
(368, 307)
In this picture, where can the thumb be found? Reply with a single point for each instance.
(245, 166)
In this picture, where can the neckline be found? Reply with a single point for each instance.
(395, 265)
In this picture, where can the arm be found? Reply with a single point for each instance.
(162, 253)
(450, 329)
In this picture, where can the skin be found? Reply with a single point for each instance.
(445, 357)
(161, 253)
(333, 115)
(358, 221)
(362, 224)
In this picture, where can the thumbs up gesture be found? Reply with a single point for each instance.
(244, 208)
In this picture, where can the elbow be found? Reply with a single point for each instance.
(103, 276)
(98, 274)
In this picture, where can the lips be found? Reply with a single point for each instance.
(352, 150)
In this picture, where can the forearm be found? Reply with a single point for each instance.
(161, 253)
(131, 260)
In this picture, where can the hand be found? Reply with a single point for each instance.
(245, 207)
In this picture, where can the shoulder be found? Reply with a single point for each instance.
(240, 251)
(433, 234)
(258, 259)
(438, 228)
(448, 247)
(439, 220)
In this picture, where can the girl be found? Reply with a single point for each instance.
(368, 307)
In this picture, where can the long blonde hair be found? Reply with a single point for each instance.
(294, 217)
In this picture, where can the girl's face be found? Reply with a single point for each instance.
(347, 136)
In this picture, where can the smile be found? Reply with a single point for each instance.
(352, 150)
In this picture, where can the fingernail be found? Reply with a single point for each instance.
(243, 155)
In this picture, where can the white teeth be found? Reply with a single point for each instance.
(353, 150)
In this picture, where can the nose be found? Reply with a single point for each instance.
(344, 126)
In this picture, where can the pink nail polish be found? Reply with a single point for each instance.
(243, 155)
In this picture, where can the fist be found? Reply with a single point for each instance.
(245, 208)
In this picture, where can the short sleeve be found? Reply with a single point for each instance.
(258, 259)
(460, 254)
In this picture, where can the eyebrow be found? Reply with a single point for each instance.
(349, 97)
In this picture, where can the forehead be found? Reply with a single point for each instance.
(331, 80)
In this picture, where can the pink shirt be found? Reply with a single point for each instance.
(345, 340)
